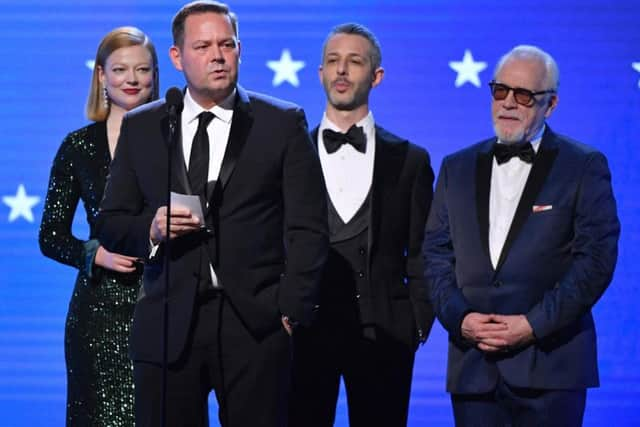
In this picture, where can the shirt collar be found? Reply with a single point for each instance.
(367, 123)
(223, 111)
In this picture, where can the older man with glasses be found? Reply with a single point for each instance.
(521, 242)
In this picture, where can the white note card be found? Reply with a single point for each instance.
(190, 202)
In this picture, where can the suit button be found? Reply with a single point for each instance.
(357, 296)
(360, 274)
(497, 284)
(361, 251)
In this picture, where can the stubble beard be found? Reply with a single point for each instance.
(349, 103)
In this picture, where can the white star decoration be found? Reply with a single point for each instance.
(636, 66)
(21, 204)
(467, 69)
(286, 69)
(90, 63)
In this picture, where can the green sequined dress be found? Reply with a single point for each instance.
(99, 372)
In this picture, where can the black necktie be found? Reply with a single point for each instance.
(504, 152)
(199, 158)
(354, 136)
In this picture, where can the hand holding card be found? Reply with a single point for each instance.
(190, 202)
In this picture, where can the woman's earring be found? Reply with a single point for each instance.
(105, 97)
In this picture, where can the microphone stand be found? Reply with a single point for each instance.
(173, 121)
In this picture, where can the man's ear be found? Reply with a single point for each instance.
(378, 74)
(176, 57)
(552, 104)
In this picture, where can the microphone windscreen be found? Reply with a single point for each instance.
(174, 98)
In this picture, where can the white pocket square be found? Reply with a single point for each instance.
(541, 208)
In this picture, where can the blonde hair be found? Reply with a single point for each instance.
(96, 109)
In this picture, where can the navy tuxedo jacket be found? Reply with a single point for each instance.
(401, 194)
(556, 262)
(268, 210)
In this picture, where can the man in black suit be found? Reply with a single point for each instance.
(241, 281)
(374, 306)
(521, 242)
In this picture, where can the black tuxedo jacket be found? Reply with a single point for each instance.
(401, 194)
(269, 210)
(557, 260)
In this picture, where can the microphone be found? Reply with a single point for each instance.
(174, 105)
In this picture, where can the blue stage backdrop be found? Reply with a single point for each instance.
(439, 56)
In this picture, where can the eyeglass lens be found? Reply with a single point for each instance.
(522, 96)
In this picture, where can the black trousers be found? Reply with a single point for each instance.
(509, 406)
(251, 378)
(377, 376)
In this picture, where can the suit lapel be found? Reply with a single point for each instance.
(179, 177)
(314, 136)
(240, 127)
(387, 165)
(539, 171)
(484, 162)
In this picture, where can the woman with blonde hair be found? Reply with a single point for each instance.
(99, 372)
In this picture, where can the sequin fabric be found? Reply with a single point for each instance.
(99, 372)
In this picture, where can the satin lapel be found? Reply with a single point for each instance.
(539, 171)
(314, 135)
(179, 177)
(387, 166)
(484, 162)
(240, 127)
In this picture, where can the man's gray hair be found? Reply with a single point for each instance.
(533, 53)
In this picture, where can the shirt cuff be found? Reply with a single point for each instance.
(89, 257)
(153, 249)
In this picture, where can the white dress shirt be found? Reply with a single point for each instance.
(218, 131)
(507, 184)
(348, 173)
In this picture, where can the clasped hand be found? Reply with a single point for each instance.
(494, 333)
(114, 261)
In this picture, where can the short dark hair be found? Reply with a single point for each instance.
(358, 30)
(197, 7)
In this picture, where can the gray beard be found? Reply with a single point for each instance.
(513, 139)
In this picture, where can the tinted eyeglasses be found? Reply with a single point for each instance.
(525, 97)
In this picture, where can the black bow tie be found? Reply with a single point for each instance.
(354, 136)
(504, 152)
